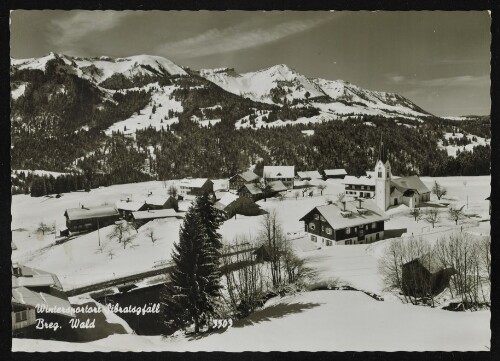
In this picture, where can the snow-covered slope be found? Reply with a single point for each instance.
(100, 69)
(274, 84)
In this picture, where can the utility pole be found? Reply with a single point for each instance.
(98, 235)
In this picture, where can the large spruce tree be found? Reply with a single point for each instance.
(193, 292)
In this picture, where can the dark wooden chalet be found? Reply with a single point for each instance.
(352, 222)
(424, 277)
(239, 180)
(254, 192)
(125, 208)
(84, 219)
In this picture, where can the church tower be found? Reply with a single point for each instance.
(382, 181)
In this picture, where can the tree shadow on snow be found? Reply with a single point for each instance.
(274, 312)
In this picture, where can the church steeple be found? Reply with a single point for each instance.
(381, 153)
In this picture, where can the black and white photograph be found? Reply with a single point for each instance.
(250, 180)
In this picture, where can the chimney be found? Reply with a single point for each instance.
(343, 203)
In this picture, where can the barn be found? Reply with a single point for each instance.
(84, 219)
(142, 217)
(425, 276)
(339, 173)
(254, 192)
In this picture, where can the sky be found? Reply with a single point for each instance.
(439, 60)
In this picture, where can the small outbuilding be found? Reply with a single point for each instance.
(86, 219)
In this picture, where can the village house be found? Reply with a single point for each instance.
(285, 174)
(425, 276)
(308, 175)
(142, 217)
(348, 222)
(31, 288)
(255, 192)
(161, 202)
(335, 173)
(359, 187)
(85, 219)
(196, 186)
(238, 180)
(125, 208)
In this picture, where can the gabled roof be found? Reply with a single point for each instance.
(428, 262)
(129, 205)
(194, 182)
(396, 192)
(332, 214)
(155, 213)
(276, 186)
(248, 176)
(30, 275)
(157, 200)
(279, 171)
(363, 180)
(95, 212)
(313, 174)
(412, 182)
(340, 171)
(24, 296)
(227, 199)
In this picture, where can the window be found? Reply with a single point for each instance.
(314, 239)
(348, 230)
(377, 236)
(21, 316)
(322, 228)
(348, 242)
(328, 230)
(366, 227)
(374, 225)
(380, 174)
(316, 216)
(361, 233)
(387, 174)
(328, 243)
(322, 219)
(312, 227)
(362, 187)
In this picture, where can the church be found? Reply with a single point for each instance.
(391, 191)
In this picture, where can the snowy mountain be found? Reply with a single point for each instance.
(277, 83)
(102, 68)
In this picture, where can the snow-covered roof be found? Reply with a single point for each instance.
(227, 199)
(279, 171)
(367, 181)
(157, 200)
(412, 182)
(24, 296)
(313, 174)
(248, 176)
(85, 213)
(155, 213)
(129, 205)
(332, 214)
(340, 171)
(276, 186)
(36, 281)
(193, 182)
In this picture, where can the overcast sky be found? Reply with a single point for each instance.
(439, 60)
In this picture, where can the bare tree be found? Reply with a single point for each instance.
(340, 197)
(150, 232)
(266, 189)
(245, 281)
(172, 191)
(111, 254)
(417, 215)
(273, 238)
(45, 228)
(432, 216)
(121, 231)
(456, 214)
(438, 190)
(321, 187)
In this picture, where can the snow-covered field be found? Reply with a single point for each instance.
(315, 321)
(80, 262)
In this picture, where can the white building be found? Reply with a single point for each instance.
(282, 173)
